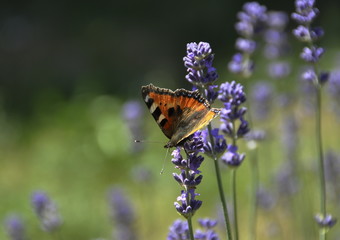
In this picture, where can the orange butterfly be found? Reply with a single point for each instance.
(178, 113)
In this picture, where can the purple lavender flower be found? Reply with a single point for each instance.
(245, 45)
(232, 93)
(232, 96)
(277, 19)
(185, 207)
(251, 19)
(208, 233)
(277, 45)
(304, 15)
(305, 11)
(304, 34)
(122, 214)
(186, 204)
(279, 70)
(198, 62)
(178, 230)
(256, 135)
(232, 158)
(47, 212)
(207, 223)
(327, 221)
(211, 93)
(15, 228)
(312, 54)
(220, 144)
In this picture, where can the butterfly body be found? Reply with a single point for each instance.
(178, 113)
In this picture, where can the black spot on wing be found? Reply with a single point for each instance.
(171, 111)
(163, 122)
(156, 113)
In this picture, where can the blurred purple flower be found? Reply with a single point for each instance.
(262, 97)
(312, 54)
(207, 223)
(122, 214)
(178, 231)
(277, 45)
(305, 11)
(46, 210)
(327, 221)
(287, 181)
(265, 199)
(279, 70)
(245, 45)
(310, 76)
(238, 66)
(15, 228)
(256, 135)
(334, 90)
(277, 19)
(251, 22)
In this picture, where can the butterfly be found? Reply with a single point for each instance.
(178, 113)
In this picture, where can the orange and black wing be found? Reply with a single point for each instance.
(161, 103)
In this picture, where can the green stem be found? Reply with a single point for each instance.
(188, 198)
(233, 180)
(220, 187)
(321, 160)
(191, 232)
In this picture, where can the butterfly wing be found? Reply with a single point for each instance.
(160, 102)
(196, 114)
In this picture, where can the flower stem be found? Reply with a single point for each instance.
(322, 233)
(220, 187)
(191, 232)
(233, 180)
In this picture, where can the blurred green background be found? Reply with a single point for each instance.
(66, 70)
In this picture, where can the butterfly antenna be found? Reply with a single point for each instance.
(166, 156)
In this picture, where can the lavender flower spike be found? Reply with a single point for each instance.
(47, 212)
(121, 214)
(178, 230)
(251, 22)
(198, 62)
(15, 228)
